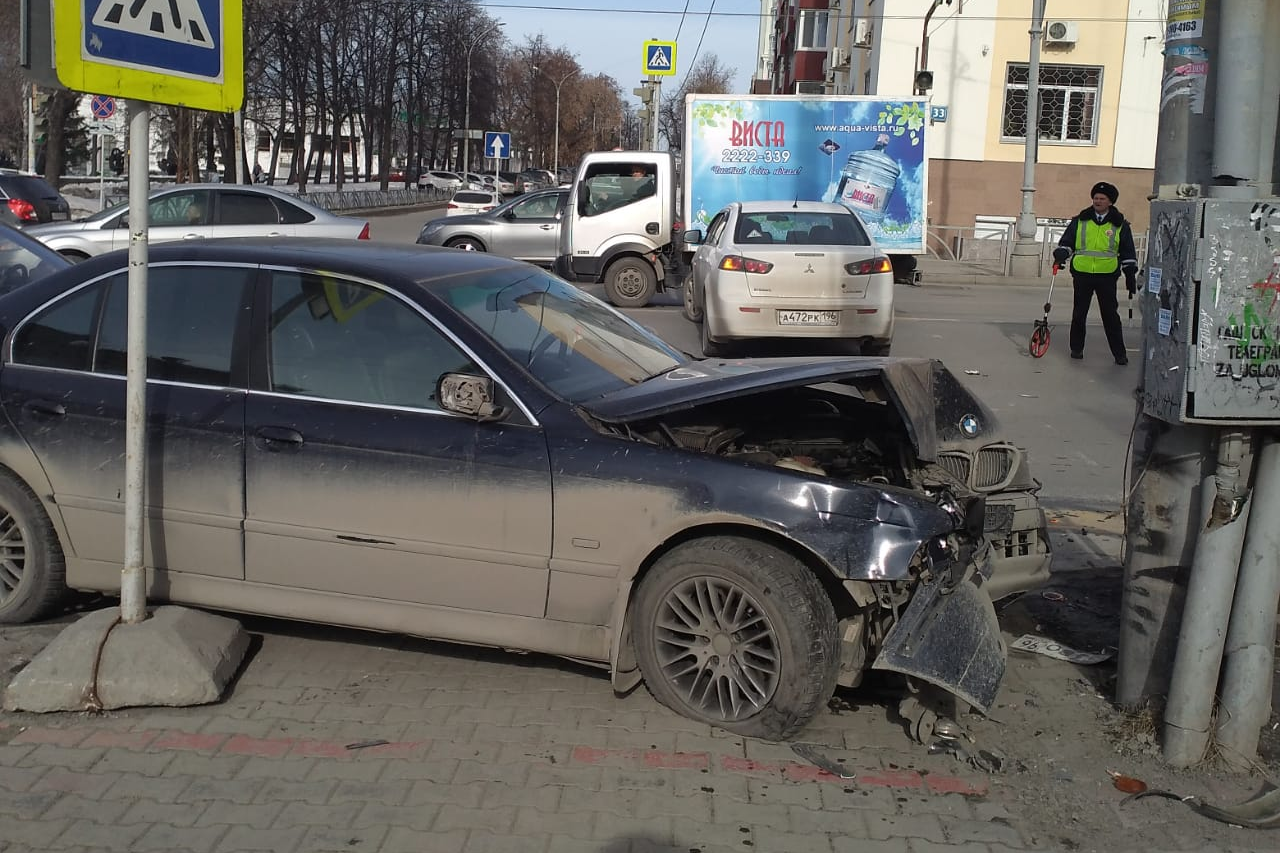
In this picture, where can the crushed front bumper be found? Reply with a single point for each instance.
(949, 637)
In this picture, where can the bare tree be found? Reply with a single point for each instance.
(706, 77)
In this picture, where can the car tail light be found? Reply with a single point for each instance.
(23, 209)
(451, 206)
(364, 232)
(740, 264)
(875, 265)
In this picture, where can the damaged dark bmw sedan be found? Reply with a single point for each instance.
(458, 446)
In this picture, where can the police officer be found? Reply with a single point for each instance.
(1099, 243)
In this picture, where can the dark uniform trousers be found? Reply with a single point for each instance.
(1102, 285)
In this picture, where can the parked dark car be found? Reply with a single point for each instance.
(526, 228)
(31, 199)
(461, 446)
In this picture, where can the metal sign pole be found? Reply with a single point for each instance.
(133, 577)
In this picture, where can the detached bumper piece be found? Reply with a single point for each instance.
(949, 637)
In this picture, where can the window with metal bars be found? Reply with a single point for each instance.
(1069, 101)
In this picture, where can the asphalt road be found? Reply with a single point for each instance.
(1073, 416)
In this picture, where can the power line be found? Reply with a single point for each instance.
(682, 14)
(882, 17)
(698, 49)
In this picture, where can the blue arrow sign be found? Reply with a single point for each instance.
(167, 36)
(497, 145)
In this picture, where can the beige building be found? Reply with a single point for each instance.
(1101, 64)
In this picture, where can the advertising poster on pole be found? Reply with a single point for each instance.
(868, 154)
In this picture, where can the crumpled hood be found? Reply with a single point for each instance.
(910, 383)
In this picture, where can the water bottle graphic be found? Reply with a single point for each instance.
(868, 180)
(701, 216)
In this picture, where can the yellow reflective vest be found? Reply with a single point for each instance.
(1097, 247)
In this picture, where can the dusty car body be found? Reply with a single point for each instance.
(459, 446)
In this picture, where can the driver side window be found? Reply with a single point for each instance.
(339, 340)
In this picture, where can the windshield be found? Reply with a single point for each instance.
(573, 343)
(24, 259)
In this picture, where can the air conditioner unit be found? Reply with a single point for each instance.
(839, 58)
(862, 33)
(1061, 32)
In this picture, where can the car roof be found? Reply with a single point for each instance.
(363, 258)
(791, 205)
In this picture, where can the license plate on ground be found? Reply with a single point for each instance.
(808, 318)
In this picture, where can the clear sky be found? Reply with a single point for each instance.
(607, 36)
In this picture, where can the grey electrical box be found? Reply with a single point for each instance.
(1211, 312)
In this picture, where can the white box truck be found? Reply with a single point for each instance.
(623, 226)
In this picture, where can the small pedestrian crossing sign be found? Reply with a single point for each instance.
(660, 58)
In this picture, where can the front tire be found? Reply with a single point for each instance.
(466, 244)
(32, 569)
(738, 634)
(630, 282)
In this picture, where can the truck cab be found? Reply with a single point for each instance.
(618, 226)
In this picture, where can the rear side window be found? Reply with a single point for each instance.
(247, 209)
(61, 335)
(192, 317)
(291, 214)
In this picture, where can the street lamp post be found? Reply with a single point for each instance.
(466, 110)
(1025, 258)
(555, 168)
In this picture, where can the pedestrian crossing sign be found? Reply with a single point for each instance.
(182, 52)
(660, 58)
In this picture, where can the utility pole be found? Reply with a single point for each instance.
(466, 109)
(1025, 260)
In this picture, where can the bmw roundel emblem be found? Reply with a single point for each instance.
(969, 426)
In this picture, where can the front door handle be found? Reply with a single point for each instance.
(47, 407)
(280, 435)
(547, 227)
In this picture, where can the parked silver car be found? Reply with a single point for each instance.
(197, 211)
(525, 228)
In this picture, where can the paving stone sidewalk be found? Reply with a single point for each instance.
(334, 740)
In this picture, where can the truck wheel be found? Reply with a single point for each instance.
(630, 283)
(738, 634)
(692, 310)
(32, 570)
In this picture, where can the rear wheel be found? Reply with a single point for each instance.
(710, 348)
(738, 634)
(73, 256)
(32, 570)
(630, 282)
(692, 310)
(466, 244)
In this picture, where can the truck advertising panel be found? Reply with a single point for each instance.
(867, 153)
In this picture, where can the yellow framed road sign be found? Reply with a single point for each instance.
(187, 53)
(660, 58)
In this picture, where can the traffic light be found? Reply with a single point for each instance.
(924, 82)
(116, 160)
(645, 94)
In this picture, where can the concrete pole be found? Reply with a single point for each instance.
(133, 577)
(1249, 661)
(1184, 140)
(1203, 633)
(1269, 108)
(1025, 260)
(555, 157)
(657, 105)
(1168, 466)
(1240, 61)
(31, 128)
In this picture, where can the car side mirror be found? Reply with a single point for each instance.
(693, 237)
(470, 396)
(508, 215)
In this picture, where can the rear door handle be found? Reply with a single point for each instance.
(546, 227)
(46, 407)
(280, 435)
